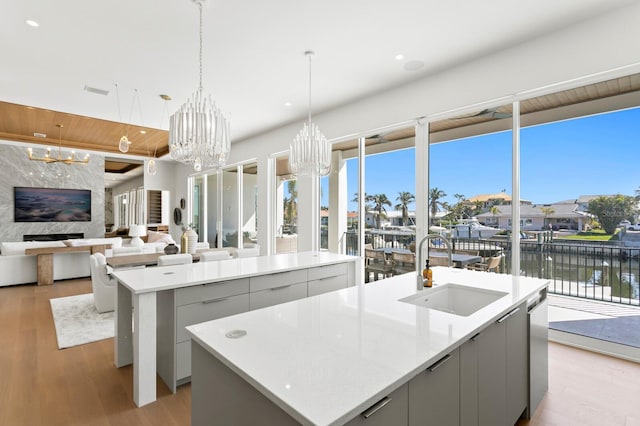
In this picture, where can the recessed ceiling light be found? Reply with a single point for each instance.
(144, 132)
(32, 23)
(95, 90)
(399, 57)
(287, 104)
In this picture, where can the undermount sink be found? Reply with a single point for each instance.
(454, 299)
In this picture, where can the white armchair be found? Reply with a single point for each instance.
(247, 252)
(208, 256)
(104, 287)
(175, 259)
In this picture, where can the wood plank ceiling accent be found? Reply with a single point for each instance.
(114, 166)
(578, 95)
(19, 123)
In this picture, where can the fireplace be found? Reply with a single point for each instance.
(52, 237)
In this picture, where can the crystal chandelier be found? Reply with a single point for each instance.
(310, 153)
(199, 133)
(60, 158)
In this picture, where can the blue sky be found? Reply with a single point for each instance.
(559, 161)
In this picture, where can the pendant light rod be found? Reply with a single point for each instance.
(309, 54)
(199, 2)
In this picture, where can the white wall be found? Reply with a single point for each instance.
(125, 187)
(164, 180)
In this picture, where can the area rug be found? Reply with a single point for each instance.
(77, 321)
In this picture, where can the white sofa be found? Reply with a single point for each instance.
(18, 268)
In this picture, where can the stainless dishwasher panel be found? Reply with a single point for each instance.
(538, 319)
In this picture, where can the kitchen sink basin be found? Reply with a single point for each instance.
(454, 299)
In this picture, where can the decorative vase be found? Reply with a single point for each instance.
(188, 241)
(171, 249)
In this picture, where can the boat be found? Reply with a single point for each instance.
(471, 228)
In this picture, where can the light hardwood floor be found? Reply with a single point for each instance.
(41, 385)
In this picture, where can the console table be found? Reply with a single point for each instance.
(153, 297)
(45, 258)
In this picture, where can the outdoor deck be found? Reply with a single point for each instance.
(609, 322)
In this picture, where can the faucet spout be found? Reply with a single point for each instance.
(429, 237)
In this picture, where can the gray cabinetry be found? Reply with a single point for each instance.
(390, 410)
(276, 295)
(191, 305)
(502, 373)
(517, 364)
(492, 380)
(434, 395)
(328, 278)
(469, 382)
(272, 289)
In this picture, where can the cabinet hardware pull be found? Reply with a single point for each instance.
(281, 287)
(435, 366)
(475, 336)
(327, 278)
(375, 407)
(508, 315)
(205, 302)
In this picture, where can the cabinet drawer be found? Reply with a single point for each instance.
(273, 296)
(391, 410)
(183, 360)
(208, 310)
(187, 295)
(326, 285)
(280, 279)
(327, 271)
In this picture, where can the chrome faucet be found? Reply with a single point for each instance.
(419, 255)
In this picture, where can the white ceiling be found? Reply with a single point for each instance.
(253, 50)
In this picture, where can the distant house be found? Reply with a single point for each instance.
(393, 218)
(489, 200)
(583, 201)
(535, 217)
(352, 219)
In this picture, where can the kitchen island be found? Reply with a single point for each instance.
(157, 303)
(362, 355)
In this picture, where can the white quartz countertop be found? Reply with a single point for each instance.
(144, 280)
(327, 358)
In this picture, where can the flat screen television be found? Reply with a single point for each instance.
(51, 205)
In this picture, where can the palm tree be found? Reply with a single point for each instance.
(404, 199)
(367, 206)
(291, 203)
(546, 211)
(495, 211)
(477, 207)
(435, 195)
(379, 201)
